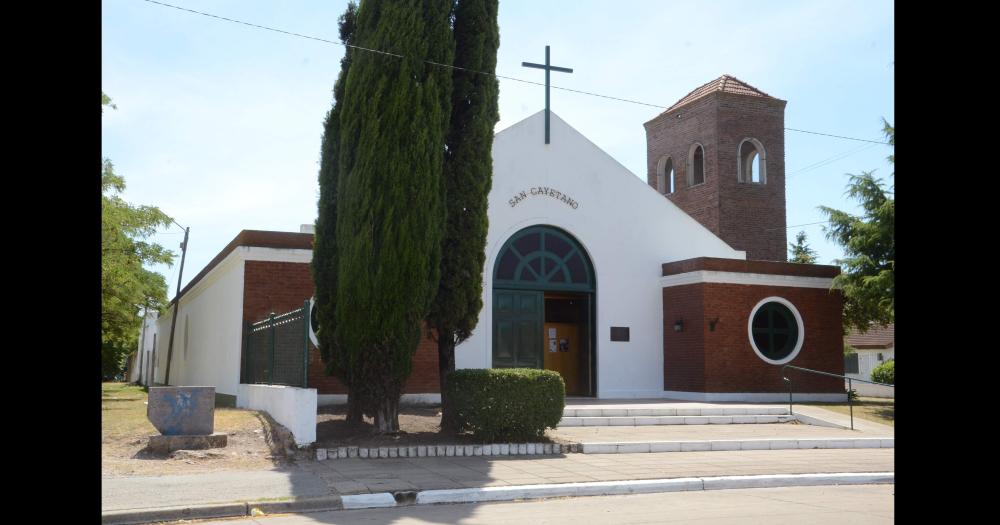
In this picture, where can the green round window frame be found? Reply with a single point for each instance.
(775, 330)
(543, 258)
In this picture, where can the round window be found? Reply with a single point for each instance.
(775, 330)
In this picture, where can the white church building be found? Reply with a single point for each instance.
(670, 284)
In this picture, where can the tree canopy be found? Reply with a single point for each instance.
(867, 278)
(800, 251)
(389, 198)
(128, 289)
(468, 177)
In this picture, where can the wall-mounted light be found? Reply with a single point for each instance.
(711, 324)
(679, 325)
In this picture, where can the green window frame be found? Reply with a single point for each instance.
(775, 330)
(543, 258)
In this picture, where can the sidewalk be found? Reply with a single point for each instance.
(362, 476)
(363, 483)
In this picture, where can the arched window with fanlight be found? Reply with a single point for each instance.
(543, 258)
(751, 165)
(696, 165)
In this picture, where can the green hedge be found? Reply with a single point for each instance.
(506, 404)
(885, 372)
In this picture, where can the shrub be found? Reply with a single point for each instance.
(506, 404)
(885, 372)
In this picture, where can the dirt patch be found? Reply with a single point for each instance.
(255, 440)
(417, 425)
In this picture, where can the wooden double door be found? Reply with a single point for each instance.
(550, 330)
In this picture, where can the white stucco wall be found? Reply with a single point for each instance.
(212, 312)
(294, 408)
(627, 228)
(141, 365)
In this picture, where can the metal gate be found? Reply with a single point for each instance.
(276, 349)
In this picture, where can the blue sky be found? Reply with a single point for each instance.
(219, 124)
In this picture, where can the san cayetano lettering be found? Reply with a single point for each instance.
(542, 191)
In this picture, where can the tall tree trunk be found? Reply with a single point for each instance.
(446, 364)
(387, 414)
(354, 412)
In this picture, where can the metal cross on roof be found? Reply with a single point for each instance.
(547, 69)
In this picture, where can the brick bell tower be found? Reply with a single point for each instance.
(719, 154)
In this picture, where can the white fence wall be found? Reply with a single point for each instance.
(293, 407)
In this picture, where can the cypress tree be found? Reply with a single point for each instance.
(468, 175)
(324, 264)
(390, 212)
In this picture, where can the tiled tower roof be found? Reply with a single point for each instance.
(725, 84)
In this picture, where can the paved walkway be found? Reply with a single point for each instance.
(358, 476)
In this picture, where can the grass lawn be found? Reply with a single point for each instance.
(879, 410)
(123, 414)
(125, 432)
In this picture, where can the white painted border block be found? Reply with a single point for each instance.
(368, 501)
(320, 454)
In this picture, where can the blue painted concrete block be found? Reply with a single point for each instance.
(182, 410)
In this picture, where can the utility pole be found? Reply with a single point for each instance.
(177, 304)
(142, 341)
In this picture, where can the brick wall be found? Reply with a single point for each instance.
(720, 361)
(749, 217)
(283, 286)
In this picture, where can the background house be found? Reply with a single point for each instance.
(872, 348)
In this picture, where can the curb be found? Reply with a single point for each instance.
(615, 488)
(511, 493)
(223, 510)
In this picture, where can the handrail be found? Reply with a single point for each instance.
(850, 404)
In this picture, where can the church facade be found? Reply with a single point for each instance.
(676, 287)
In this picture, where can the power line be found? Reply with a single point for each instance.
(337, 42)
(829, 160)
(798, 225)
(836, 136)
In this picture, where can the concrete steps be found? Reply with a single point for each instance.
(629, 416)
(673, 420)
(735, 444)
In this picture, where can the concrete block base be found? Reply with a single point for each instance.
(167, 444)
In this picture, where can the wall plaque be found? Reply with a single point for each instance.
(619, 333)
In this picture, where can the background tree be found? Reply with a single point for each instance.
(324, 263)
(390, 214)
(867, 277)
(468, 177)
(127, 289)
(800, 251)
